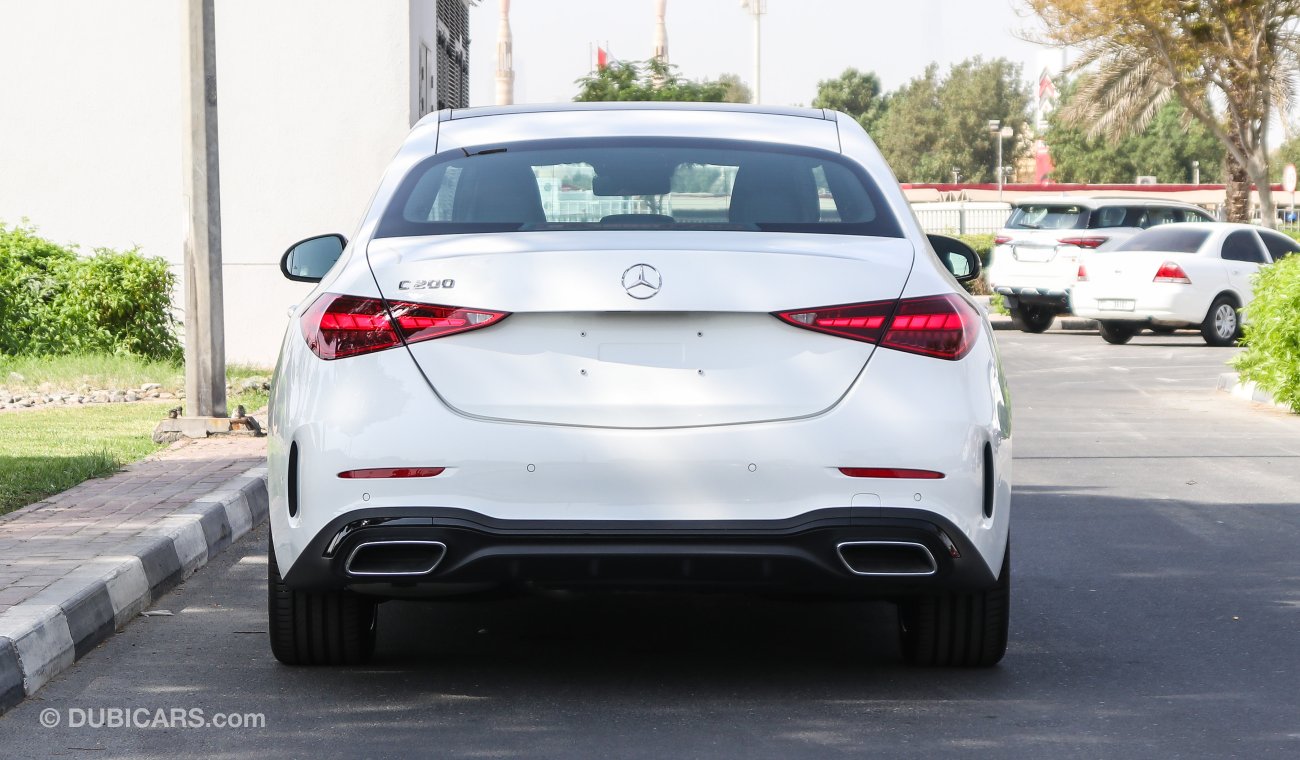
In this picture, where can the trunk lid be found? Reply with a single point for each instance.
(591, 342)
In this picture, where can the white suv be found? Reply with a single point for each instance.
(1036, 255)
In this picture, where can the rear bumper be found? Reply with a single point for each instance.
(1159, 303)
(799, 555)
(1014, 296)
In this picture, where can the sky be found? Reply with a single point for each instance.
(803, 41)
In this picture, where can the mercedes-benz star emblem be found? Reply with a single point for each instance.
(642, 281)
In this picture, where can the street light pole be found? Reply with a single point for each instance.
(205, 348)
(757, 8)
(995, 126)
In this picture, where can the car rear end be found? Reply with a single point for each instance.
(1035, 256)
(743, 381)
(1158, 277)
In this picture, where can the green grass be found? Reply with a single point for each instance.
(46, 451)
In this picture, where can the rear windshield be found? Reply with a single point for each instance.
(1048, 217)
(1171, 239)
(649, 183)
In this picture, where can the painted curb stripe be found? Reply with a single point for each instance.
(46, 634)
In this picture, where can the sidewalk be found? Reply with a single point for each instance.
(81, 564)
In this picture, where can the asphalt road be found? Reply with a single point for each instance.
(1156, 615)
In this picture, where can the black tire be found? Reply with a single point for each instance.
(1032, 318)
(317, 627)
(958, 630)
(1117, 333)
(1163, 329)
(1222, 326)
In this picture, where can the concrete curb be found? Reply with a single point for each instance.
(47, 633)
(1230, 383)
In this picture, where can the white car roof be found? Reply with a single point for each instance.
(1100, 202)
(810, 127)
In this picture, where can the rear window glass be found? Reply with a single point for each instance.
(1171, 239)
(625, 183)
(1048, 217)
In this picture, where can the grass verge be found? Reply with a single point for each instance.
(43, 452)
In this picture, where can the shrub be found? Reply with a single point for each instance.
(983, 245)
(53, 301)
(1272, 333)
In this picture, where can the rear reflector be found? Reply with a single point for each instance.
(337, 326)
(890, 472)
(393, 472)
(941, 326)
(1083, 242)
(1171, 272)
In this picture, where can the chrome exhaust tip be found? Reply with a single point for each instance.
(372, 559)
(889, 558)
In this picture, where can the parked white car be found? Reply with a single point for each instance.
(638, 346)
(1035, 256)
(1176, 276)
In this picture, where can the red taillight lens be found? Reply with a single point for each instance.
(337, 326)
(862, 321)
(393, 472)
(1171, 272)
(940, 326)
(890, 472)
(1083, 274)
(1001, 240)
(1083, 242)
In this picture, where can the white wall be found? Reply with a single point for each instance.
(90, 122)
(314, 97)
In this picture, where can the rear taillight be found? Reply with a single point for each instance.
(1001, 240)
(1083, 242)
(1171, 272)
(942, 326)
(1082, 276)
(337, 326)
(890, 472)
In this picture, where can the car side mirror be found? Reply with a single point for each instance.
(309, 260)
(957, 257)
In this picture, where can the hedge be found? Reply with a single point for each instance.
(53, 301)
(1272, 333)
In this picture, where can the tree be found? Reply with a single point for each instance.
(737, 91)
(1240, 53)
(649, 80)
(934, 126)
(857, 94)
(1164, 149)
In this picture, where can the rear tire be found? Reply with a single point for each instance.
(958, 630)
(1117, 333)
(317, 627)
(1221, 326)
(1032, 318)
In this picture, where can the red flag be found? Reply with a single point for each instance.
(602, 58)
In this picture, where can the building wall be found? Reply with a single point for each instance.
(310, 114)
(314, 97)
(90, 122)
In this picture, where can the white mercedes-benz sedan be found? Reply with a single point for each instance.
(634, 346)
(1195, 275)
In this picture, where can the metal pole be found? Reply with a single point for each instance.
(758, 52)
(205, 353)
(999, 165)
